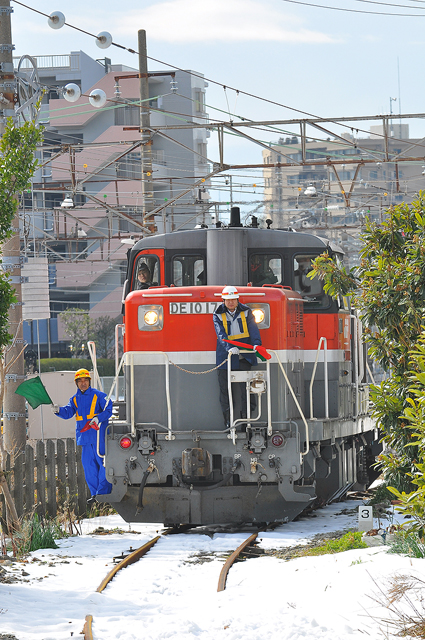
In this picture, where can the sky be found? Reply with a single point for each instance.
(296, 60)
(320, 61)
(171, 593)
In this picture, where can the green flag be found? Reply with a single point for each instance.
(34, 392)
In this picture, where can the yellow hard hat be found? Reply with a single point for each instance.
(82, 373)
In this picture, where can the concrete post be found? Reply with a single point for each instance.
(14, 423)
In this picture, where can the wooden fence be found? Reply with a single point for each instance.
(50, 478)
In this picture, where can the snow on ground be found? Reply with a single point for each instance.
(172, 594)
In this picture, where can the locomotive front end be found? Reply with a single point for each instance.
(170, 458)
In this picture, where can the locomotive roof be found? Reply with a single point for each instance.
(254, 238)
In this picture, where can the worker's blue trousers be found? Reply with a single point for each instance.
(94, 471)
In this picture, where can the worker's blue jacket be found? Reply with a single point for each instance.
(85, 406)
(248, 332)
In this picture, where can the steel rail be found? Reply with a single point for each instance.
(231, 559)
(87, 629)
(140, 552)
(130, 559)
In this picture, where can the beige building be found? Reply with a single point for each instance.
(329, 186)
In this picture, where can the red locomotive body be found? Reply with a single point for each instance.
(169, 456)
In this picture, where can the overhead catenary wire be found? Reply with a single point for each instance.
(224, 86)
(377, 13)
(202, 77)
(237, 91)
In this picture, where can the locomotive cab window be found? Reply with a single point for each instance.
(311, 290)
(265, 268)
(146, 272)
(189, 271)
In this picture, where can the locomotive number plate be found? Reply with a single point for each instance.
(193, 307)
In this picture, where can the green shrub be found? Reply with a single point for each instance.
(381, 494)
(105, 366)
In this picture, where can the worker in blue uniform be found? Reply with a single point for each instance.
(92, 412)
(234, 321)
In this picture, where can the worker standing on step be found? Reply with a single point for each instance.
(92, 412)
(234, 321)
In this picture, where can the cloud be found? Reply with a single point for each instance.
(231, 21)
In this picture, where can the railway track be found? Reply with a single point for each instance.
(245, 549)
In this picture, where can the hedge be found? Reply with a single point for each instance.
(105, 366)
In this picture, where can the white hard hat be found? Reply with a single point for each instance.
(229, 293)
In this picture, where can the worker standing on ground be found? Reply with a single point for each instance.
(92, 412)
(234, 321)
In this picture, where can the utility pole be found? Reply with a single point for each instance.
(14, 423)
(146, 149)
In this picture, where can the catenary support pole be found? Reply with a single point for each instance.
(145, 131)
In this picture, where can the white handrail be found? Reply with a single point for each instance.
(323, 341)
(297, 404)
(132, 419)
(114, 383)
(248, 419)
(117, 351)
(170, 435)
(230, 396)
(91, 346)
(356, 363)
(370, 373)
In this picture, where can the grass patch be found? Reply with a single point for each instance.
(335, 542)
(37, 534)
(408, 544)
(402, 597)
(100, 510)
(351, 540)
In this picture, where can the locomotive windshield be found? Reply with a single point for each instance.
(146, 272)
(189, 270)
(311, 290)
(265, 268)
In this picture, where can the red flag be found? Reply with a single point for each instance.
(261, 351)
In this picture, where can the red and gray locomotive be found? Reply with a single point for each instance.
(168, 454)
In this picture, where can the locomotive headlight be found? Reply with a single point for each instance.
(261, 313)
(150, 317)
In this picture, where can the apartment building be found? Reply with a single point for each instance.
(341, 188)
(88, 201)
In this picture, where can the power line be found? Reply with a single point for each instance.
(377, 13)
(196, 75)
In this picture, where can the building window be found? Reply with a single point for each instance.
(199, 101)
(128, 115)
(158, 156)
(130, 166)
(201, 148)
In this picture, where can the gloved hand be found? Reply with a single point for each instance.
(255, 347)
(234, 351)
(54, 408)
(94, 424)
